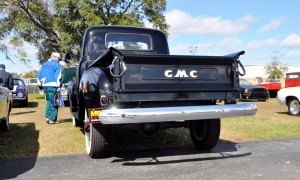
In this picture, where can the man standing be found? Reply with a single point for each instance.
(49, 80)
(5, 78)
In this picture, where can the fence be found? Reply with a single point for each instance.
(32, 89)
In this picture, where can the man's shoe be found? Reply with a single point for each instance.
(53, 122)
(47, 120)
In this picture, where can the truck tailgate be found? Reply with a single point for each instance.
(167, 73)
(173, 77)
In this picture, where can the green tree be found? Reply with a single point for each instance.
(275, 69)
(58, 25)
(15, 75)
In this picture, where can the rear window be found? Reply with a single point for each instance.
(293, 76)
(126, 41)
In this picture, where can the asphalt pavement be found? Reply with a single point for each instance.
(268, 159)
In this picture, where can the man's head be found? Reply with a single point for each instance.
(56, 56)
(2, 67)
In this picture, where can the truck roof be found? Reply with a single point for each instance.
(131, 40)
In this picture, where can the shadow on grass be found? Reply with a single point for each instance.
(285, 113)
(32, 104)
(66, 120)
(16, 146)
(29, 105)
(21, 113)
(167, 147)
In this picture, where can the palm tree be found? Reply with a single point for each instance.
(275, 70)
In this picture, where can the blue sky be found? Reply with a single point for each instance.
(262, 28)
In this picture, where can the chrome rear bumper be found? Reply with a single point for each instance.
(165, 114)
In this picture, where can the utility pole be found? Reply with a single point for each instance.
(193, 50)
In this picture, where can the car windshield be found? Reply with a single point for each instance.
(273, 80)
(18, 82)
(244, 82)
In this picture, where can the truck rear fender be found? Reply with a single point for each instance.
(93, 84)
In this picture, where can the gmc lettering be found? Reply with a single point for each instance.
(181, 73)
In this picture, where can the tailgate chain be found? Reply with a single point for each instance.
(112, 66)
(242, 67)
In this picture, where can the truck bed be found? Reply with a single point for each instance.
(174, 78)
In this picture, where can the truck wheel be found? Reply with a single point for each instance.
(94, 139)
(25, 102)
(294, 106)
(273, 94)
(205, 133)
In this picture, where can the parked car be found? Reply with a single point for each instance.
(5, 108)
(290, 97)
(249, 91)
(68, 75)
(30, 81)
(273, 85)
(292, 79)
(20, 92)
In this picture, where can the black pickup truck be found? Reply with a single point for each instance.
(126, 78)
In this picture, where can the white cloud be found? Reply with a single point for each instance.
(275, 23)
(224, 46)
(292, 40)
(230, 44)
(180, 49)
(182, 23)
(295, 54)
(267, 43)
(148, 24)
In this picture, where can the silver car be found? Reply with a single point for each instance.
(5, 108)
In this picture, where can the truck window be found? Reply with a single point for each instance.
(293, 76)
(124, 41)
(96, 46)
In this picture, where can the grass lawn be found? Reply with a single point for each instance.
(30, 135)
(270, 122)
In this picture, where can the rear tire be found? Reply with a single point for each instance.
(294, 106)
(94, 138)
(4, 125)
(273, 94)
(205, 133)
(25, 103)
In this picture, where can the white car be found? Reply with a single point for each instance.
(290, 97)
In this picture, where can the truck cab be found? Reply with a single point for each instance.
(128, 40)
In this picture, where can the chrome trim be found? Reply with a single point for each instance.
(165, 114)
